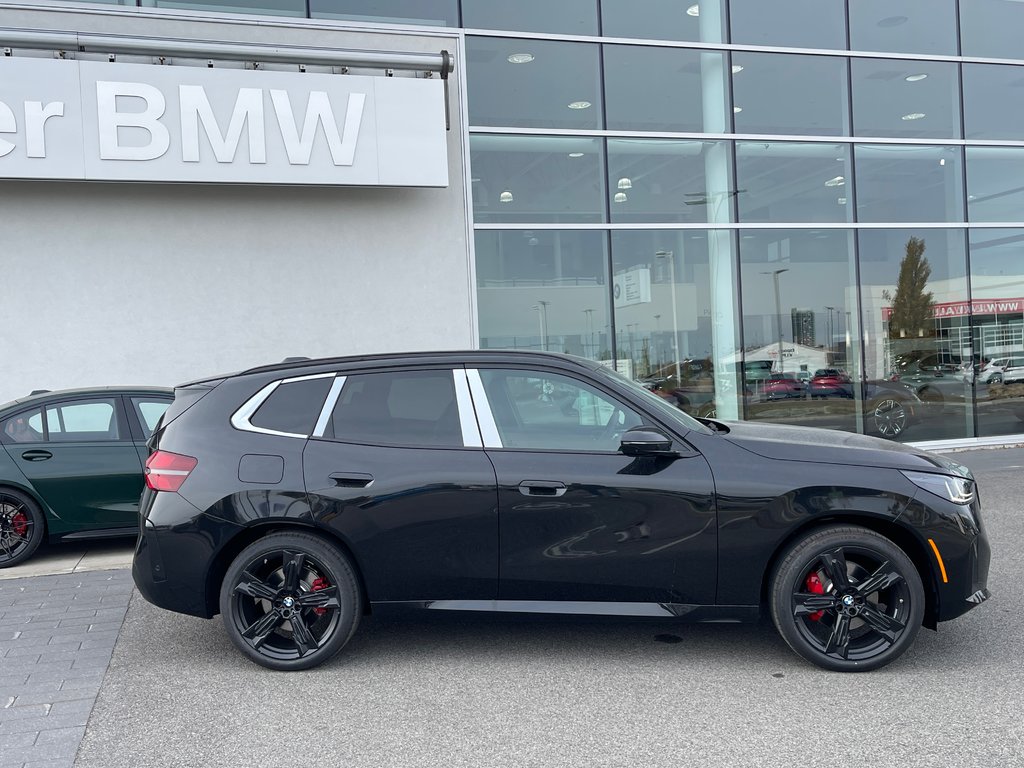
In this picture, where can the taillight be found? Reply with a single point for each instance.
(166, 471)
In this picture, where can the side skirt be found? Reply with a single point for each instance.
(694, 613)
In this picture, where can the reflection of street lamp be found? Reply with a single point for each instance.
(657, 345)
(543, 307)
(675, 318)
(831, 329)
(778, 310)
(590, 329)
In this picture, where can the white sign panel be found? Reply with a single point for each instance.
(104, 121)
(632, 286)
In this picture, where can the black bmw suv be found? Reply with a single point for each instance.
(293, 499)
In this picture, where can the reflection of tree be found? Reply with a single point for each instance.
(912, 313)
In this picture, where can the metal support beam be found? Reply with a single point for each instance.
(83, 42)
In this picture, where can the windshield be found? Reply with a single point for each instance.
(659, 404)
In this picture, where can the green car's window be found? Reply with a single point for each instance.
(82, 421)
(26, 427)
(149, 412)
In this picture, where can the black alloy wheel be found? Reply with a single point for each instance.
(290, 601)
(889, 418)
(847, 599)
(21, 527)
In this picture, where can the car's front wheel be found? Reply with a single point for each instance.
(21, 527)
(888, 417)
(290, 601)
(847, 599)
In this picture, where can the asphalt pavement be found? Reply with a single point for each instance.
(489, 691)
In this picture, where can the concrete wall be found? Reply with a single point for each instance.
(159, 283)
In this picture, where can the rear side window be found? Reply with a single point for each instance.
(411, 408)
(82, 421)
(293, 407)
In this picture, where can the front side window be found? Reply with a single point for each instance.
(83, 421)
(405, 408)
(536, 410)
(149, 412)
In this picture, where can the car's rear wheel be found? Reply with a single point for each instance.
(847, 599)
(21, 527)
(290, 601)
(888, 417)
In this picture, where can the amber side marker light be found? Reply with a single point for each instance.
(942, 565)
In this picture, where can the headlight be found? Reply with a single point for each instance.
(959, 490)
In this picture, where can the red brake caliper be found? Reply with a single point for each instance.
(19, 523)
(319, 583)
(815, 587)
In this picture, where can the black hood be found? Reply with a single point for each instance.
(774, 441)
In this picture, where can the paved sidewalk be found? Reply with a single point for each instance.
(57, 634)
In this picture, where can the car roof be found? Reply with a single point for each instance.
(61, 394)
(479, 356)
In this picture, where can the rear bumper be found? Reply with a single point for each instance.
(176, 555)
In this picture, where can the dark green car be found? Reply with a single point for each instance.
(71, 465)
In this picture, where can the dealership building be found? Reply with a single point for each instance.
(686, 191)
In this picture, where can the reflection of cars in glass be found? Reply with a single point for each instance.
(992, 371)
(830, 382)
(71, 465)
(1012, 371)
(293, 499)
(935, 376)
(780, 386)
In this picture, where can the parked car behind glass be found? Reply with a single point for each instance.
(294, 499)
(71, 465)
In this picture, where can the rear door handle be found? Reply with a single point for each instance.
(36, 455)
(542, 488)
(351, 479)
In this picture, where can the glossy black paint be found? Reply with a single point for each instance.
(477, 529)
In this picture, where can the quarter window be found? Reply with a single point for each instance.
(408, 408)
(26, 427)
(546, 411)
(293, 407)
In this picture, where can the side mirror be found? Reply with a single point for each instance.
(646, 441)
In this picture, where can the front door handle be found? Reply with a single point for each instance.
(542, 488)
(36, 455)
(351, 479)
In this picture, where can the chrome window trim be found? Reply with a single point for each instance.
(329, 403)
(471, 437)
(485, 418)
(240, 419)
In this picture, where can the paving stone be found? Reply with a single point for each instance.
(42, 724)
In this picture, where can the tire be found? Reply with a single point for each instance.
(22, 527)
(283, 582)
(866, 622)
(709, 412)
(888, 418)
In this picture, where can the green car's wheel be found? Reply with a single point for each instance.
(21, 527)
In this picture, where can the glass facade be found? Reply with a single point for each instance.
(803, 211)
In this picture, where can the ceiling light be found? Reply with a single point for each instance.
(520, 58)
(840, 159)
(942, 161)
(575, 154)
(838, 181)
(737, 68)
(625, 183)
(915, 78)
(972, 197)
(579, 105)
(841, 200)
(693, 10)
(533, 241)
(913, 116)
(506, 196)
(737, 110)
(620, 197)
